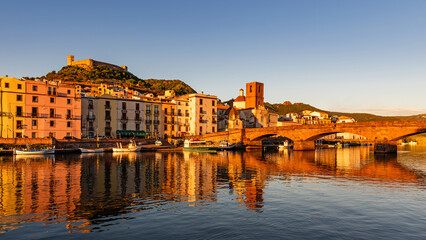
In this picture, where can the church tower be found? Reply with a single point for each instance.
(254, 94)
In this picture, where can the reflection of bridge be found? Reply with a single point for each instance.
(383, 134)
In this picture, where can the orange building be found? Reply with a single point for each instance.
(254, 94)
(52, 110)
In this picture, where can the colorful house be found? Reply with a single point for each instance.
(12, 107)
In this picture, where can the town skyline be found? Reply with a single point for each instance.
(364, 57)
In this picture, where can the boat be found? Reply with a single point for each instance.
(412, 143)
(34, 152)
(197, 145)
(225, 146)
(283, 145)
(132, 147)
(338, 145)
(96, 150)
(158, 143)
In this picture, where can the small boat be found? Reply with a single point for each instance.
(196, 145)
(158, 143)
(96, 150)
(412, 143)
(338, 145)
(132, 147)
(34, 152)
(225, 146)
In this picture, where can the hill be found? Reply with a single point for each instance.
(104, 74)
(282, 109)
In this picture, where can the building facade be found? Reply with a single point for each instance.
(12, 107)
(52, 110)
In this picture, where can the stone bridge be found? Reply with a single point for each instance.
(384, 134)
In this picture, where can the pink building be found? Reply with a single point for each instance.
(52, 110)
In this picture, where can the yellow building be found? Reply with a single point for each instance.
(12, 107)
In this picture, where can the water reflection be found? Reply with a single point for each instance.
(84, 191)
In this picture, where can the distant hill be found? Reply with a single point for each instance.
(104, 74)
(282, 109)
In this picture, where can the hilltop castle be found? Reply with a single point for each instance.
(90, 63)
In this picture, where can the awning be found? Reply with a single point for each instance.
(129, 133)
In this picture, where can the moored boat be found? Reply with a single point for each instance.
(132, 147)
(34, 152)
(196, 145)
(284, 145)
(225, 146)
(96, 150)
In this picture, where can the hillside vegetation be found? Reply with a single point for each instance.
(104, 74)
(282, 109)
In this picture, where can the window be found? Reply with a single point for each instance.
(35, 99)
(165, 127)
(124, 126)
(201, 110)
(156, 109)
(34, 135)
(19, 111)
(68, 91)
(201, 101)
(19, 124)
(34, 112)
(173, 127)
(49, 90)
(34, 123)
(213, 102)
(18, 135)
(201, 130)
(137, 127)
(19, 86)
(6, 85)
(148, 128)
(258, 89)
(54, 91)
(68, 124)
(68, 113)
(68, 101)
(52, 123)
(34, 88)
(251, 89)
(19, 98)
(213, 130)
(165, 111)
(123, 104)
(137, 106)
(52, 100)
(52, 113)
(165, 119)
(156, 128)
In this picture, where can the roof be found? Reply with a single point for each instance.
(240, 99)
(222, 107)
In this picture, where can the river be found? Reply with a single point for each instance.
(348, 193)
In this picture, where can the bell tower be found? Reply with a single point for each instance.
(254, 94)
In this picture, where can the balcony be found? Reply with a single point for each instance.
(186, 114)
(19, 114)
(148, 111)
(58, 115)
(68, 116)
(124, 110)
(20, 127)
(91, 117)
(124, 119)
(107, 107)
(156, 112)
(148, 121)
(138, 119)
(137, 111)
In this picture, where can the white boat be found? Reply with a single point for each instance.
(130, 148)
(158, 143)
(412, 143)
(34, 152)
(96, 150)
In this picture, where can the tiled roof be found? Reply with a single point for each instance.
(240, 99)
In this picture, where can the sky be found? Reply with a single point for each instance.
(351, 56)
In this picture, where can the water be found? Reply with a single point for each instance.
(327, 194)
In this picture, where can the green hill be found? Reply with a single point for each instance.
(104, 74)
(282, 109)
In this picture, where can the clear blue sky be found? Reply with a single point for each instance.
(337, 55)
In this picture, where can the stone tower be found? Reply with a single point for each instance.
(254, 94)
(70, 59)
